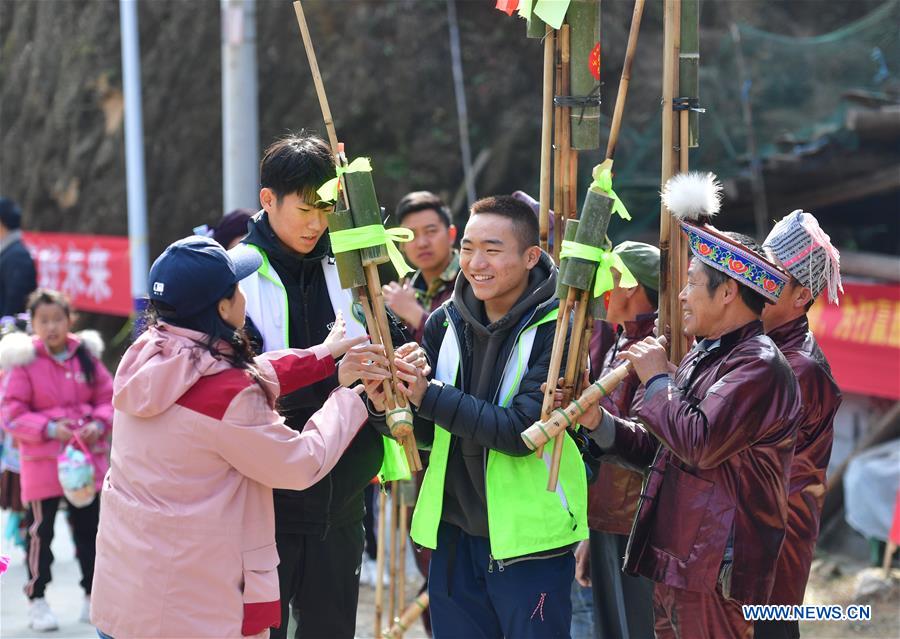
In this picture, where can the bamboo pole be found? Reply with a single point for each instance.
(539, 433)
(671, 240)
(401, 579)
(572, 360)
(546, 137)
(624, 81)
(562, 143)
(379, 560)
(559, 341)
(392, 586)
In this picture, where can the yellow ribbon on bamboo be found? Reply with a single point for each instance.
(371, 236)
(603, 182)
(605, 259)
(329, 191)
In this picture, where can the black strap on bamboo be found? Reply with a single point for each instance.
(687, 104)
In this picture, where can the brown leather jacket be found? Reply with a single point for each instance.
(613, 497)
(727, 425)
(820, 400)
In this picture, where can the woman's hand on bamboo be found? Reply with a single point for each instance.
(365, 362)
(374, 390)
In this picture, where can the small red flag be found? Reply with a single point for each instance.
(508, 6)
(594, 62)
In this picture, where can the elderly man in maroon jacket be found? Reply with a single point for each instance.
(799, 245)
(717, 435)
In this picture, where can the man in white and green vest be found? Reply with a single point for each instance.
(502, 562)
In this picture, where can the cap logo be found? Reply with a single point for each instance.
(159, 287)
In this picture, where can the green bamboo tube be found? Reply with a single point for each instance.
(594, 221)
(562, 289)
(689, 64)
(349, 265)
(366, 211)
(536, 28)
(583, 17)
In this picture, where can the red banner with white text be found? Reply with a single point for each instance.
(861, 338)
(92, 270)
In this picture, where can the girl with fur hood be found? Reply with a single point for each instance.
(55, 387)
(186, 546)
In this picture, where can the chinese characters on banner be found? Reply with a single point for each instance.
(861, 338)
(92, 270)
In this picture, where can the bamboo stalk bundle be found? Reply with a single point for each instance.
(358, 197)
(539, 433)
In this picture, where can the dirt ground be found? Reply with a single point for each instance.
(833, 580)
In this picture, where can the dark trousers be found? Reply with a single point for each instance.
(623, 605)
(320, 579)
(39, 519)
(472, 597)
(776, 630)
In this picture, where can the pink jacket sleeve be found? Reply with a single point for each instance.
(287, 370)
(16, 414)
(253, 438)
(101, 396)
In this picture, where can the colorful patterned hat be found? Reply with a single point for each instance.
(805, 251)
(693, 198)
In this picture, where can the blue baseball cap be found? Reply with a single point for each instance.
(194, 273)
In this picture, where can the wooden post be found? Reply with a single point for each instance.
(546, 137)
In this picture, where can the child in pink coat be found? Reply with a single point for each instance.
(55, 387)
(186, 546)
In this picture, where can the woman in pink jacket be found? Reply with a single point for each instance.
(187, 533)
(55, 387)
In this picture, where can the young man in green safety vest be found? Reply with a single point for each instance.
(502, 562)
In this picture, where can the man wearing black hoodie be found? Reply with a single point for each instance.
(293, 301)
(502, 562)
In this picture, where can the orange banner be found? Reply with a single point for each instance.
(861, 338)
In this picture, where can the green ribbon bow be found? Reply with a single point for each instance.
(374, 235)
(603, 182)
(605, 260)
(328, 192)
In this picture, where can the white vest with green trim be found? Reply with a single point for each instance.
(267, 303)
(523, 516)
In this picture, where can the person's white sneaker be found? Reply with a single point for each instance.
(85, 610)
(40, 617)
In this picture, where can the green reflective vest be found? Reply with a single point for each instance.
(523, 516)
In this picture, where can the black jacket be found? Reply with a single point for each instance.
(337, 500)
(470, 410)
(17, 276)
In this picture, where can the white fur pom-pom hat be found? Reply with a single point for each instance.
(694, 198)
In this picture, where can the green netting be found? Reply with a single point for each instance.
(796, 87)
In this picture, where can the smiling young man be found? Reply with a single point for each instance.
(717, 437)
(502, 563)
(293, 301)
(799, 245)
(431, 252)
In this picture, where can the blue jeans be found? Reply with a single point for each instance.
(582, 612)
(472, 596)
